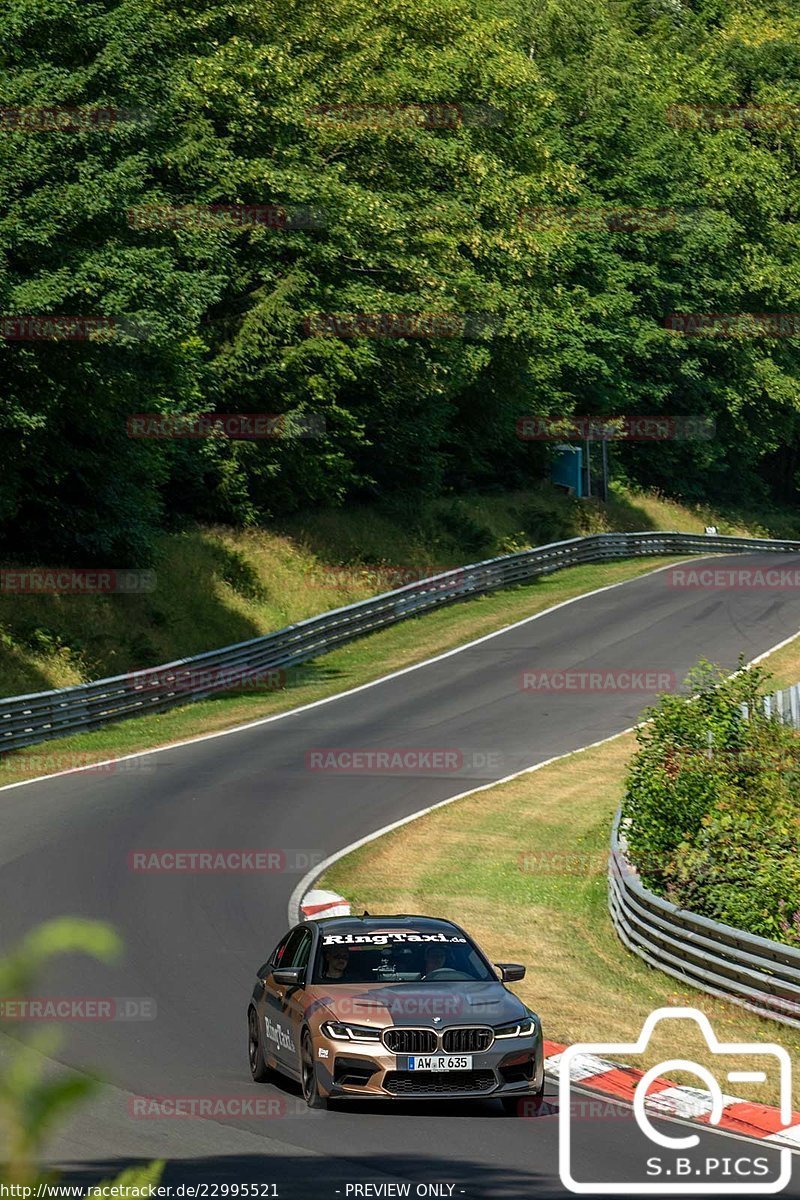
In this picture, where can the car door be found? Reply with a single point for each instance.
(271, 1007)
(280, 1031)
(295, 998)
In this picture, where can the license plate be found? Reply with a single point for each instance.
(440, 1062)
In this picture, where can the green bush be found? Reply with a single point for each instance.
(32, 1101)
(711, 805)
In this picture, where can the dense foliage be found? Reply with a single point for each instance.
(710, 806)
(221, 103)
(33, 1099)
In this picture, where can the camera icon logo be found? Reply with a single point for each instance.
(765, 1055)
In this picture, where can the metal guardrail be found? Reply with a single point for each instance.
(25, 720)
(750, 971)
(784, 704)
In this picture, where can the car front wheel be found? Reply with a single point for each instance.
(255, 1053)
(311, 1093)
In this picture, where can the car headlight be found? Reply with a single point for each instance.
(525, 1028)
(344, 1032)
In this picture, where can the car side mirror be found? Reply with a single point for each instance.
(510, 972)
(290, 976)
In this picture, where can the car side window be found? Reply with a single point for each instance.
(276, 958)
(291, 946)
(301, 953)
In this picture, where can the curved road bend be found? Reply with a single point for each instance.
(194, 940)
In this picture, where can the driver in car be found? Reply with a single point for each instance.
(435, 959)
(335, 961)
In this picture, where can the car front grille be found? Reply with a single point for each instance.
(437, 1083)
(466, 1041)
(410, 1041)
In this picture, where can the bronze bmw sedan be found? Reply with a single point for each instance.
(394, 1008)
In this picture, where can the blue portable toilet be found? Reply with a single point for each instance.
(567, 469)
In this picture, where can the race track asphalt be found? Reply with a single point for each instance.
(193, 941)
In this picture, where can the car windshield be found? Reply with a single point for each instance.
(365, 960)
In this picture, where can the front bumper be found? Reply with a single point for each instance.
(510, 1067)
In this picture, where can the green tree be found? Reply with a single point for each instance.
(72, 484)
